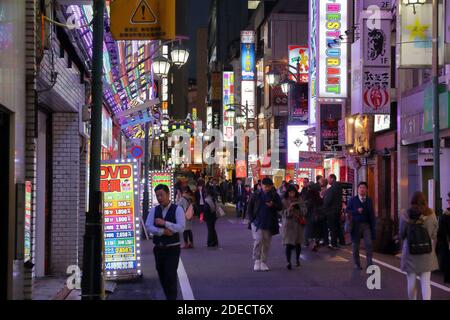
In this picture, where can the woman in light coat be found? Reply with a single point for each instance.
(293, 223)
(419, 264)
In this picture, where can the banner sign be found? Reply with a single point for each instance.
(330, 114)
(248, 99)
(311, 160)
(298, 103)
(228, 99)
(376, 95)
(248, 61)
(27, 234)
(377, 43)
(299, 58)
(298, 141)
(313, 53)
(160, 177)
(333, 22)
(241, 169)
(119, 183)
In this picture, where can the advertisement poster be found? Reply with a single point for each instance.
(299, 57)
(160, 177)
(27, 244)
(241, 169)
(382, 122)
(298, 141)
(119, 184)
(248, 61)
(330, 114)
(333, 22)
(376, 96)
(248, 98)
(228, 99)
(298, 102)
(311, 160)
(377, 43)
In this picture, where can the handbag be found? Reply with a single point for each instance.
(219, 211)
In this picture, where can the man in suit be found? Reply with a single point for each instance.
(332, 203)
(239, 193)
(360, 207)
(166, 221)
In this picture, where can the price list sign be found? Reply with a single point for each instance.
(119, 183)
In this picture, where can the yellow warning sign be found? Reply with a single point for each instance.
(142, 19)
(144, 14)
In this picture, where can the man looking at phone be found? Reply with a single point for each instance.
(263, 215)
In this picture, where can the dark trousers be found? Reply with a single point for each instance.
(224, 197)
(166, 260)
(333, 226)
(290, 248)
(212, 234)
(188, 236)
(364, 232)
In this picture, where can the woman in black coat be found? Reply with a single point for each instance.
(314, 217)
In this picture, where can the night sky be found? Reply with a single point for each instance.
(196, 16)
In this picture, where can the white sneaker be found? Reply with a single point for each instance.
(264, 267)
(257, 266)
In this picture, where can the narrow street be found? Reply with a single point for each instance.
(227, 273)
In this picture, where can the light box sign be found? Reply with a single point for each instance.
(228, 99)
(312, 99)
(298, 141)
(248, 98)
(330, 114)
(248, 61)
(333, 22)
(27, 244)
(376, 94)
(299, 57)
(382, 122)
(119, 183)
(160, 177)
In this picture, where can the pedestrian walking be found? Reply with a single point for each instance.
(247, 196)
(282, 189)
(362, 217)
(443, 240)
(239, 195)
(263, 216)
(211, 218)
(224, 191)
(315, 217)
(293, 224)
(187, 203)
(166, 221)
(332, 203)
(200, 195)
(418, 230)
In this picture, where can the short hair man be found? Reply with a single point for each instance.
(166, 221)
(360, 207)
(332, 203)
(262, 211)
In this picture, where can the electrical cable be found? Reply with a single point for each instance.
(63, 25)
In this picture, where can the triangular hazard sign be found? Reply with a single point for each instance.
(144, 14)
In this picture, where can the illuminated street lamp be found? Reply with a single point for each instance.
(230, 113)
(285, 85)
(273, 77)
(161, 67)
(179, 55)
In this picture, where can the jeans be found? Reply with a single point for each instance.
(365, 232)
(166, 260)
(261, 245)
(424, 282)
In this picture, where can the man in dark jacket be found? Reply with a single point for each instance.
(239, 195)
(262, 212)
(363, 223)
(332, 203)
(224, 191)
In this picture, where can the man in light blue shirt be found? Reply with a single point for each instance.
(166, 221)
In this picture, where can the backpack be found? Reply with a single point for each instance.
(419, 241)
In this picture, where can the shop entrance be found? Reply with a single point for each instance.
(4, 198)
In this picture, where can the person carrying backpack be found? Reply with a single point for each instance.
(418, 230)
(186, 202)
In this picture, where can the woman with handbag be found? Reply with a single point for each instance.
(293, 223)
(211, 218)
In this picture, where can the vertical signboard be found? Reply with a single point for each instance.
(298, 103)
(333, 22)
(416, 35)
(27, 234)
(248, 65)
(313, 56)
(298, 141)
(241, 169)
(160, 177)
(299, 59)
(209, 118)
(119, 183)
(330, 114)
(228, 99)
